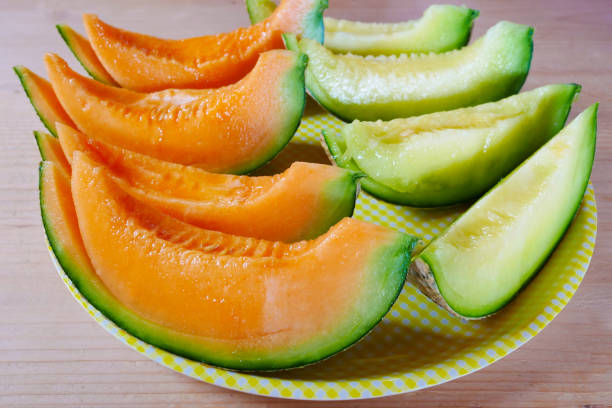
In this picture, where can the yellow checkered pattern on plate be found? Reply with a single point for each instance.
(417, 345)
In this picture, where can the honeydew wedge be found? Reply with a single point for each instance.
(233, 129)
(482, 261)
(387, 87)
(301, 203)
(445, 158)
(145, 63)
(240, 312)
(443, 27)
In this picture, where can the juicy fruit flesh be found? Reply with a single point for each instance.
(43, 99)
(300, 203)
(384, 87)
(144, 63)
(81, 48)
(442, 28)
(447, 157)
(51, 150)
(257, 305)
(490, 252)
(231, 129)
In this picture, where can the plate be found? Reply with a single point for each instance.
(417, 345)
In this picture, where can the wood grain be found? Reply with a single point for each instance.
(53, 355)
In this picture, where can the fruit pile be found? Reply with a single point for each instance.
(146, 210)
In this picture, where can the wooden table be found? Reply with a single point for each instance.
(53, 354)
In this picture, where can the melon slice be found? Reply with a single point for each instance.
(238, 312)
(233, 129)
(81, 48)
(51, 150)
(388, 87)
(144, 63)
(443, 27)
(301, 203)
(43, 99)
(445, 158)
(492, 251)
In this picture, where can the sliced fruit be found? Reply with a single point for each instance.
(231, 129)
(388, 87)
(492, 251)
(445, 158)
(301, 203)
(43, 99)
(442, 28)
(238, 312)
(144, 63)
(81, 48)
(50, 150)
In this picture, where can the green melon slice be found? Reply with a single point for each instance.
(441, 28)
(491, 252)
(371, 88)
(445, 158)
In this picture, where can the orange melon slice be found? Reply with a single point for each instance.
(81, 48)
(43, 99)
(51, 150)
(233, 129)
(144, 63)
(239, 312)
(301, 203)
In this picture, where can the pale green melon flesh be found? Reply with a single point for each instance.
(370, 88)
(449, 157)
(485, 257)
(441, 28)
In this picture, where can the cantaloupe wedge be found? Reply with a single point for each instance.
(301, 203)
(84, 53)
(239, 312)
(51, 150)
(145, 63)
(43, 99)
(233, 129)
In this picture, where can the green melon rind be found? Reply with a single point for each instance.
(386, 273)
(560, 107)
(331, 144)
(457, 31)
(588, 145)
(337, 202)
(24, 83)
(61, 28)
(313, 22)
(518, 41)
(41, 147)
(293, 100)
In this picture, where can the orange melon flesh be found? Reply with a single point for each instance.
(51, 150)
(81, 48)
(232, 129)
(145, 63)
(249, 312)
(301, 203)
(43, 99)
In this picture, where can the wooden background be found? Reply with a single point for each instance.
(53, 354)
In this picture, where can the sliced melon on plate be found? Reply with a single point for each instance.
(81, 48)
(445, 158)
(145, 63)
(51, 150)
(238, 312)
(43, 99)
(388, 87)
(491, 252)
(443, 27)
(233, 129)
(303, 202)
